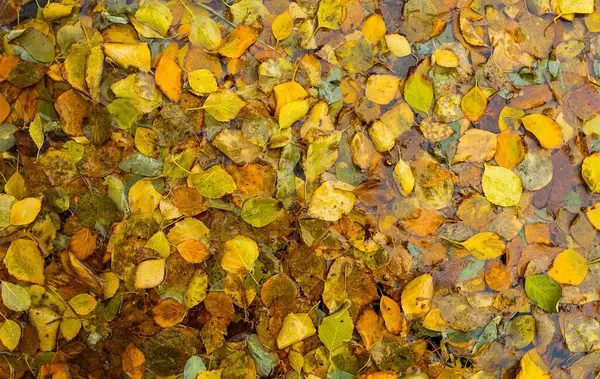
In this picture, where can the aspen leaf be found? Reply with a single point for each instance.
(213, 183)
(296, 327)
(223, 106)
(136, 55)
(168, 78)
(46, 322)
(374, 28)
(390, 310)
(321, 155)
(70, 325)
(532, 367)
(473, 104)
(238, 41)
(484, 246)
(545, 129)
(418, 92)
(590, 170)
(168, 313)
(476, 146)
(292, 112)
(447, 58)
(10, 334)
(195, 291)
(568, 7)
(501, 186)
(282, 26)
(509, 118)
(133, 362)
(330, 203)
(155, 15)
(203, 81)
(593, 214)
(520, 331)
(23, 212)
(83, 243)
(15, 297)
(404, 177)
(416, 297)
(24, 261)
(239, 255)
(329, 14)
(36, 131)
(260, 211)
(205, 33)
(569, 267)
(382, 89)
(543, 292)
(143, 198)
(150, 273)
(434, 321)
(83, 304)
(193, 251)
(336, 329)
(510, 150)
(398, 45)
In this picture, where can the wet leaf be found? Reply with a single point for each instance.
(543, 292)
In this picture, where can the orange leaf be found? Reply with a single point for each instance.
(83, 243)
(168, 78)
(168, 313)
(193, 251)
(134, 362)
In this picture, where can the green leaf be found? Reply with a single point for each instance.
(193, 367)
(141, 164)
(265, 361)
(214, 182)
(36, 131)
(260, 211)
(15, 297)
(38, 45)
(418, 92)
(543, 292)
(10, 334)
(336, 329)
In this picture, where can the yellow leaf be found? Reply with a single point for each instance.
(168, 78)
(223, 105)
(193, 251)
(569, 267)
(143, 198)
(382, 89)
(575, 6)
(136, 55)
(156, 16)
(473, 36)
(212, 374)
(520, 331)
(46, 322)
(446, 58)
(83, 304)
(150, 273)
(159, 243)
(390, 310)
(418, 92)
(292, 112)
(509, 149)
(501, 186)
(287, 92)
(434, 321)
(374, 28)
(239, 255)
(484, 246)
(330, 203)
(238, 41)
(24, 261)
(146, 141)
(398, 45)
(404, 177)
(203, 81)
(545, 129)
(296, 327)
(10, 334)
(329, 14)
(23, 212)
(532, 367)
(205, 33)
(509, 118)
(282, 26)
(473, 104)
(93, 74)
(590, 170)
(416, 297)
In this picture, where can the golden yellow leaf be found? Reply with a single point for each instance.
(239, 255)
(143, 198)
(292, 112)
(404, 177)
(93, 74)
(510, 150)
(473, 104)
(485, 245)
(510, 118)
(168, 313)
(282, 26)
(193, 251)
(476, 145)
(398, 45)
(545, 129)
(146, 141)
(168, 78)
(567, 7)
(590, 170)
(532, 367)
(445, 58)
(136, 55)
(390, 310)
(203, 81)
(83, 304)
(223, 105)
(133, 362)
(150, 273)
(287, 92)
(296, 327)
(382, 89)
(23, 212)
(374, 28)
(569, 267)
(416, 297)
(434, 321)
(501, 186)
(24, 261)
(238, 41)
(205, 33)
